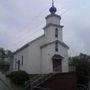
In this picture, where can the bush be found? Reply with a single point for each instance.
(18, 77)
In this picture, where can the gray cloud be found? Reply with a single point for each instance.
(22, 20)
(77, 31)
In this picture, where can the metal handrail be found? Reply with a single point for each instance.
(27, 83)
(5, 84)
(44, 78)
(34, 82)
(42, 88)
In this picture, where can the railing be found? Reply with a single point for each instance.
(5, 85)
(41, 88)
(28, 83)
(34, 82)
(40, 78)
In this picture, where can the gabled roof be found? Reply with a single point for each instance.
(26, 45)
(61, 43)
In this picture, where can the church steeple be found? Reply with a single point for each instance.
(53, 18)
(53, 9)
(53, 26)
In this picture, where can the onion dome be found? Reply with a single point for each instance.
(53, 10)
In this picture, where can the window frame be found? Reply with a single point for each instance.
(56, 46)
(56, 32)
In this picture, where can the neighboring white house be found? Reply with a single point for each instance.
(6, 60)
(46, 54)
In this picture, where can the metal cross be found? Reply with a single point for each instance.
(52, 2)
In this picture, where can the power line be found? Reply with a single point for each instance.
(65, 11)
(36, 31)
(36, 17)
(32, 32)
(23, 41)
(26, 41)
(34, 28)
(30, 35)
(33, 20)
(29, 32)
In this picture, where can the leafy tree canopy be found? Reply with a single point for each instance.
(5, 53)
(82, 65)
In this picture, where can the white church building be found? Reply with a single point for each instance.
(47, 53)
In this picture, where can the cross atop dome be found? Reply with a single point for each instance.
(52, 2)
(53, 9)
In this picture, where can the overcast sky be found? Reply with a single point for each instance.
(22, 21)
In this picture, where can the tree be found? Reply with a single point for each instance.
(82, 65)
(2, 54)
(5, 57)
(5, 53)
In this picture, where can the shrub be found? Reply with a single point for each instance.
(18, 77)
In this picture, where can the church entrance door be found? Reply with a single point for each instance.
(57, 63)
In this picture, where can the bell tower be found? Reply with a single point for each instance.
(53, 29)
(54, 52)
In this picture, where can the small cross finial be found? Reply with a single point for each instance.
(52, 2)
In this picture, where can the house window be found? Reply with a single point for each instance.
(56, 46)
(22, 60)
(56, 33)
(15, 62)
(18, 64)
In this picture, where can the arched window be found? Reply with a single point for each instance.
(56, 46)
(56, 32)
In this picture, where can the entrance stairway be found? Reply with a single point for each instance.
(37, 80)
(53, 81)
